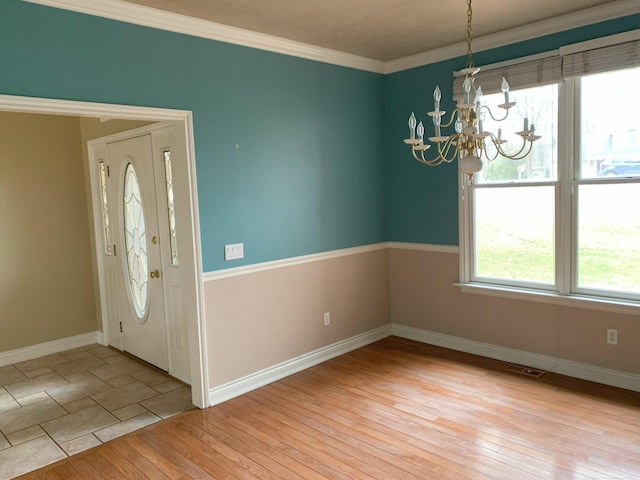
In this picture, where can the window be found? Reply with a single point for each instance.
(566, 219)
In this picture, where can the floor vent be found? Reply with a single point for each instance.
(528, 371)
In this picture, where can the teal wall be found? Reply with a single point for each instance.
(309, 171)
(423, 201)
(319, 163)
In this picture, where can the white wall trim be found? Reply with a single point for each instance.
(174, 22)
(584, 371)
(289, 262)
(580, 301)
(258, 379)
(49, 348)
(424, 247)
(150, 17)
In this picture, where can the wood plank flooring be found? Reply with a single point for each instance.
(395, 409)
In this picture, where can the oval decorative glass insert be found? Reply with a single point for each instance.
(135, 242)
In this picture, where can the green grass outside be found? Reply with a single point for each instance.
(607, 258)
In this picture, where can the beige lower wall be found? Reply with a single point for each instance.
(423, 296)
(258, 320)
(46, 282)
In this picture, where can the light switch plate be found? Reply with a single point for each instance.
(234, 251)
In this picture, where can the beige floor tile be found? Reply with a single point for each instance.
(126, 426)
(38, 372)
(22, 436)
(130, 411)
(41, 362)
(167, 386)
(28, 456)
(103, 352)
(33, 398)
(25, 417)
(77, 377)
(119, 369)
(77, 366)
(76, 391)
(125, 395)
(121, 381)
(116, 359)
(171, 403)
(11, 374)
(82, 422)
(7, 402)
(78, 354)
(4, 443)
(80, 444)
(79, 405)
(150, 377)
(34, 385)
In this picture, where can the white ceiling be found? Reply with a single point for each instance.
(383, 30)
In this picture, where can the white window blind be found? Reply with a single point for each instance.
(615, 57)
(523, 75)
(555, 69)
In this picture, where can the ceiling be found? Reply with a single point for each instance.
(383, 30)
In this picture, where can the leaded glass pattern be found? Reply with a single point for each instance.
(108, 246)
(168, 175)
(135, 239)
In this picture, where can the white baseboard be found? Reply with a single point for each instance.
(48, 348)
(258, 379)
(584, 371)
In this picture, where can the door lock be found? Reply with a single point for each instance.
(155, 274)
(154, 240)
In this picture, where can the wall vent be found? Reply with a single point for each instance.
(528, 371)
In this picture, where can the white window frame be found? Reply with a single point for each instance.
(565, 291)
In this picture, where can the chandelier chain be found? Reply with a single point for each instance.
(468, 144)
(469, 18)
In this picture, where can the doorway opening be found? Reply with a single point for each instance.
(190, 258)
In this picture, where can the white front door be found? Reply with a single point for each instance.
(140, 289)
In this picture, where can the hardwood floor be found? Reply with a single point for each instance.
(396, 409)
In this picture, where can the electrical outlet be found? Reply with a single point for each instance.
(612, 336)
(326, 319)
(234, 251)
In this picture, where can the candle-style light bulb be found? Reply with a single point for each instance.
(478, 95)
(412, 126)
(436, 98)
(499, 134)
(458, 125)
(505, 89)
(420, 131)
(526, 123)
(436, 124)
(467, 88)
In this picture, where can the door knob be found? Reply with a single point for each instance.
(154, 240)
(155, 274)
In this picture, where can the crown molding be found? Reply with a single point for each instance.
(589, 16)
(151, 17)
(174, 22)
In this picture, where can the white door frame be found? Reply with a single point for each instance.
(193, 292)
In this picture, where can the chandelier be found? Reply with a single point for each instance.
(469, 142)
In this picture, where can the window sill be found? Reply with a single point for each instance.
(581, 301)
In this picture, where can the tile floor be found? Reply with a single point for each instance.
(55, 406)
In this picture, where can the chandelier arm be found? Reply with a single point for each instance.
(516, 156)
(486, 155)
(451, 118)
(431, 163)
(495, 119)
(443, 152)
